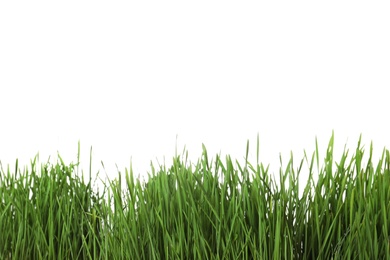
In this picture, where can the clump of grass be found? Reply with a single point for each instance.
(48, 213)
(187, 212)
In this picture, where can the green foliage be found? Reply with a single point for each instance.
(207, 210)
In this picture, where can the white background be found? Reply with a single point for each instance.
(130, 78)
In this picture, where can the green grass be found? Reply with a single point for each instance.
(202, 210)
